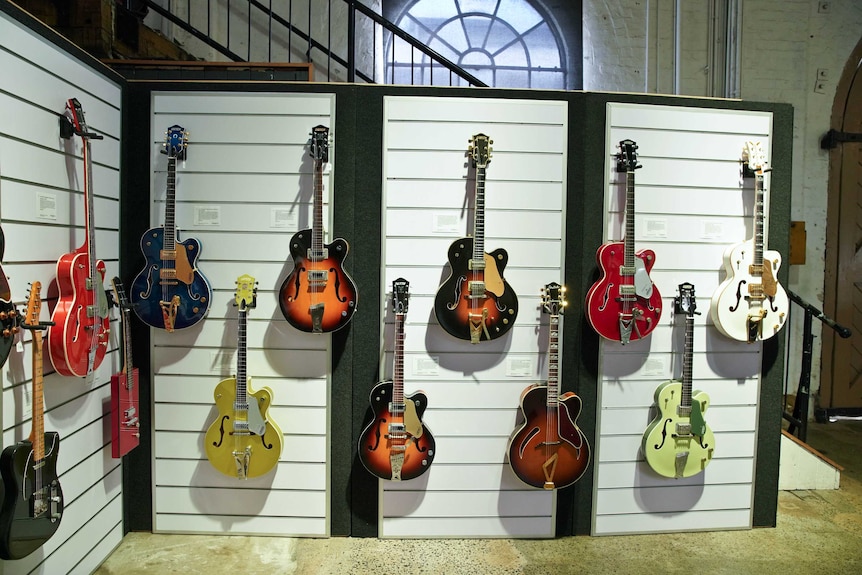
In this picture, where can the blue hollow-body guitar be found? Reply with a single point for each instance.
(170, 292)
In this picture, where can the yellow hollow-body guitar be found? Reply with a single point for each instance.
(243, 441)
(678, 442)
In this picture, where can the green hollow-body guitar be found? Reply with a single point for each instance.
(678, 442)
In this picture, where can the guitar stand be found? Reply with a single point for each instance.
(38, 326)
(67, 130)
(799, 416)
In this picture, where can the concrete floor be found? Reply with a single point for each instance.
(817, 532)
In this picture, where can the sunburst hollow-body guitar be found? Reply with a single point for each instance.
(170, 292)
(624, 305)
(548, 450)
(476, 303)
(750, 305)
(318, 296)
(678, 442)
(243, 441)
(396, 444)
(79, 334)
(32, 499)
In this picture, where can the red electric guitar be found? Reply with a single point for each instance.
(624, 305)
(125, 422)
(318, 296)
(78, 338)
(549, 450)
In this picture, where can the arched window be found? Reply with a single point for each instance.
(504, 43)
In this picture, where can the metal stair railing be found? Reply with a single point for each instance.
(284, 29)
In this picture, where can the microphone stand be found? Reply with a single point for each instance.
(799, 416)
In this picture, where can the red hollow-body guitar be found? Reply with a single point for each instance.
(125, 417)
(78, 338)
(396, 444)
(318, 296)
(549, 450)
(475, 302)
(624, 305)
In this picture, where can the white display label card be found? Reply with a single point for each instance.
(426, 365)
(446, 224)
(207, 215)
(46, 206)
(655, 228)
(655, 366)
(519, 367)
(284, 218)
(712, 230)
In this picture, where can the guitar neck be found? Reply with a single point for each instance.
(759, 221)
(317, 225)
(629, 237)
(479, 218)
(241, 352)
(170, 238)
(554, 362)
(398, 369)
(89, 201)
(688, 354)
(128, 365)
(37, 433)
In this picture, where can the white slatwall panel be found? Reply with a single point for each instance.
(691, 203)
(248, 160)
(36, 165)
(473, 390)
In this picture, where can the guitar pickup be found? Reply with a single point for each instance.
(476, 265)
(683, 430)
(476, 290)
(627, 290)
(133, 422)
(318, 255)
(318, 277)
(396, 409)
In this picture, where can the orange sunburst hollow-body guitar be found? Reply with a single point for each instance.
(318, 296)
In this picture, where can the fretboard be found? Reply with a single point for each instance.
(759, 226)
(128, 366)
(398, 369)
(317, 224)
(89, 209)
(241, 351)
(37, 435)
(479, 217)
(554, 361)
(170, 206)
(629, 237)
(685, 400)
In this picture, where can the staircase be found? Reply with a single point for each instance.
(345, 40)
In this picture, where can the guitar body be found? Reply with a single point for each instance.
(317, 306)
(221, 443)
(187, 298)
(492, 315)
(731, 307)
(20, 532)
(603, 304)
(125, 422)
(548, 450)
(665, 451)
(375, 447)
(70, 339)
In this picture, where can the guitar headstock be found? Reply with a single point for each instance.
(176, 142)
(480, 150)
(554, 298)
(34, 305)
(320, 144)
(627, 158)
(753, 157)
(400, 295)
(246, 292)
(120, 294)
(685, 302)
(72, 123)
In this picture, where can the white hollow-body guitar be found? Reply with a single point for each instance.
(750, 305)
